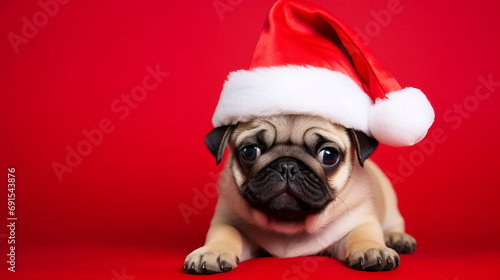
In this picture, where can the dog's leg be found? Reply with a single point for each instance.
(394, 226)
(386, 205)
(402, 242)
(365, 249)
(222, 251)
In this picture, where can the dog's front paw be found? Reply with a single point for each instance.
(374, 259)
(211, 259)
(401, 242)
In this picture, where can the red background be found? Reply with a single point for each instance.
(116, 215)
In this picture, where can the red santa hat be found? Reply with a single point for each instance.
(309, 62)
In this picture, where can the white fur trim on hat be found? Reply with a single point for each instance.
(402, 119)
(291, 89)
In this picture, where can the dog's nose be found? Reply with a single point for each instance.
(287, 170)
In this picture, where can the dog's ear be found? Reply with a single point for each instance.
(365, 145)
(216, 140)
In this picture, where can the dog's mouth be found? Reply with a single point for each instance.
(290, 198)
(285, 207)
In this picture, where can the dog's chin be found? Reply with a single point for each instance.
(306, 223)
(285, 214)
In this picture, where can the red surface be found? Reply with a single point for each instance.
(116, 215)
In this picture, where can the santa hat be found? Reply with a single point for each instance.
(309, 62)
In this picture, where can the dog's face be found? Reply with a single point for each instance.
(288, 169)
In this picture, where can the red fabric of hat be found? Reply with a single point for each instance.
(309, 62)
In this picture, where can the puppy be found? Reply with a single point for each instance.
(298, 185)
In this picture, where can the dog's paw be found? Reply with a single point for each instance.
(211, 259)
(401, 242)
(374, 259)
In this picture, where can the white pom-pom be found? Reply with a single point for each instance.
(402, 119)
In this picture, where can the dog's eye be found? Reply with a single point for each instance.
(328, 156)
(250, 153)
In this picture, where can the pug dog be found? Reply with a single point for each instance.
(299, 185)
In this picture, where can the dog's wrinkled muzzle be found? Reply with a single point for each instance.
(287, 190)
